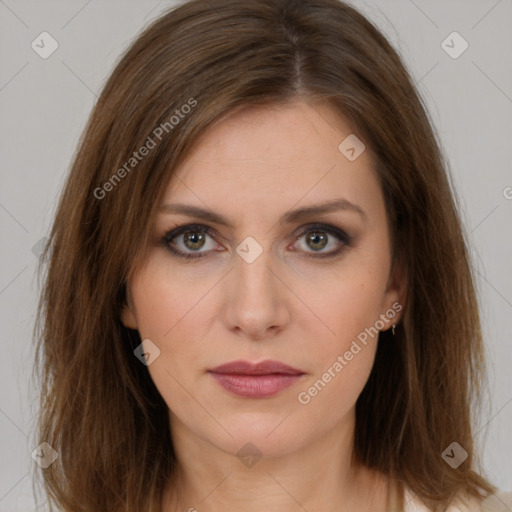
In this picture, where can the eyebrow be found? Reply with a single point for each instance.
(288, 217)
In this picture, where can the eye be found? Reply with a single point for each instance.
(190, 237)
(192, 241)
(319, 236)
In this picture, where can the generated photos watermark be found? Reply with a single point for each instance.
(151, 143)
(343, 360)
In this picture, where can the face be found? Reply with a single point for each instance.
(309, 290)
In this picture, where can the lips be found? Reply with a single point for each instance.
(260, 380)
(267, 367)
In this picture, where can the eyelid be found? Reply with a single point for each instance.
(345, 239)
(324, 227)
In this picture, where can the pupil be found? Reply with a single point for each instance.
(315, 237)
(195, 238)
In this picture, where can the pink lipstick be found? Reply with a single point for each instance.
(258, 380)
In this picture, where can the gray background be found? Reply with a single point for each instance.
(44, 104)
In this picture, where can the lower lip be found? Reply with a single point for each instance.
(255, 386)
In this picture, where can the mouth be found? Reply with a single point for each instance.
(259, 380)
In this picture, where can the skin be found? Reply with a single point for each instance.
(252, 167)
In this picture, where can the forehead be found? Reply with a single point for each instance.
(276, 134)
(274, 157)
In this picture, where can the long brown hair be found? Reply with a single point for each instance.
(199, 61)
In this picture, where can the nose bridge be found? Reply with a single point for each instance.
(257, 302)
(253, 272)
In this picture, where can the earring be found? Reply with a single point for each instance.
(393, 329)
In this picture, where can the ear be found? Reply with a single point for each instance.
(396, 292)
(128, 317)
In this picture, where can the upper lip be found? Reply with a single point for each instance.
(267, 367)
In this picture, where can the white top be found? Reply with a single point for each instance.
(499, 502)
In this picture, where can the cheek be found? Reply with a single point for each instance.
(351, 307)
(346, 302)
(168, 301)
(343, 358)
(343, 349)
(171, 310)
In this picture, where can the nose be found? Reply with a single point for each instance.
(257, 305)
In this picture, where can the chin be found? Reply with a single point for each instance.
(261, 436)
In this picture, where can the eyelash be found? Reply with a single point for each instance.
(346, 240)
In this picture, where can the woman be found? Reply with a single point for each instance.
(259, 294)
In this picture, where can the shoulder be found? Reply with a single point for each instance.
(501, 501)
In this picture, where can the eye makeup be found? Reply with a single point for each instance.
(317, 231)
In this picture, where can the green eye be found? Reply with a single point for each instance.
(194, 237)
